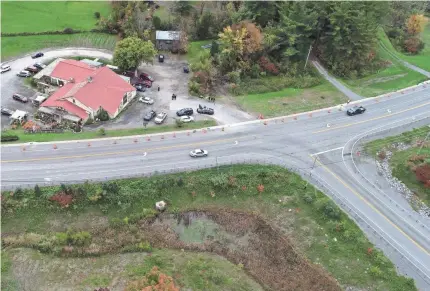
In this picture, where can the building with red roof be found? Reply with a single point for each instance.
(84, 90)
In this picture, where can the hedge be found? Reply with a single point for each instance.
(9, 138)
(65, 31)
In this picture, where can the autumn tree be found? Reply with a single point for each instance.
(155, 280)
(132, 51)
(415, 24)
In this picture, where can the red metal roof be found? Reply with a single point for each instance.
(94, 88)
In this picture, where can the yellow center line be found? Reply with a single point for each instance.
(118, 152)
(372, 119)
(371, 205)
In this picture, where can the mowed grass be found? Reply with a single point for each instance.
(421, 60)
(292, 100)
(45, 137)
(17, 45)
(394, 77)
(301, 212)
(35, 16)
(195, 48)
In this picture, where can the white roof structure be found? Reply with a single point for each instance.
(92, 63)
(167, 35)
(18, 115)
(40, 98)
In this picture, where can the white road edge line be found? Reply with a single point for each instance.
(316, 154)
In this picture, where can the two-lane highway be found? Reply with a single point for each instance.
(308, 143)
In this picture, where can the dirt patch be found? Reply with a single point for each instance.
(383, 79)
(265, 252)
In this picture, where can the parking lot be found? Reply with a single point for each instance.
(169, 76)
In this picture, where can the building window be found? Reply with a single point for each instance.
(124, 99)
(168, 42)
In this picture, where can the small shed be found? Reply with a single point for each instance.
(19, 116)
(167, 40)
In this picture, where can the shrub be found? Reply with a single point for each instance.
(194, 88)
(414, 45)
(180, 182)
(64, 200)
(331, 210)
(382, 155)
(144, 246)
(308, 199)
(97, 15)
(37, 191)
(80, 238)
(68, 30)
(18, 193)
(103, 115)
(267, 66)
(62, 238)
(156, 21)
(116, 222)
(233, 77)
(219, 181)
(89, 121)
(422, 174)
(9, 137)
(179, 123)
(375, 271)
(102, 131)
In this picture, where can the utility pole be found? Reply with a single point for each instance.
(310, 48)
(422, 144)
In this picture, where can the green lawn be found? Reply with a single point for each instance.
(42, 137)
(195, 48)
(392, 78)
(291, 100)
(163, 13)
(29, 16)
(17, 45)
(315, 226)
(422, 60)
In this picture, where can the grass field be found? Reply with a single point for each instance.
(422, 60)
(18, 45)
(392, 78)
(313, 224)
(291, 100)
(41, 137)
(195, 48)
(28, 16)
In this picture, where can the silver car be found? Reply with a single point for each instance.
(160, 117)
(5, 68)
(146, 100)
(198, 153)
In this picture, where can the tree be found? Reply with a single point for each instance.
(416, 23)
(132, 51)
(413, 45)
(204, 26)
(214, 48)
(37, 191)
(156, 21)
(261, 12)
(183, 8)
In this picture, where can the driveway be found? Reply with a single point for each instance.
(168, 75)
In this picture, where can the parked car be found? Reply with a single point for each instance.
(24, 74)
(186, 119)
(32, 69)
(6, 111)
(160, 117)
(5, 68)
(150, 115)
(198, 153)
(161, 58)
(37, 55)
(355, 110)
(40, 66)
(205, 110)
(186, 69)
(146, 83)
(145, 76)
(184, 111)
(140, 87)
(146, 100)
(206, 46)
(20, 98)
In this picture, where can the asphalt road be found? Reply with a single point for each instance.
(317, 145)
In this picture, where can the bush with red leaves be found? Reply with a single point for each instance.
(267, 66)
(64, 200)
(423, 174)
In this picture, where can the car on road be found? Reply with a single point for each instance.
(24, 74)
(198, 153)
(140, 87)
(355, 110)
(40, 66)
(184, 111)
(160, 117)
(20, 98)
(5, 68)
(205, 110)
(186, 119)
(147, 77)
(6, 111)
(37, 55)
(150, 115)
(32, 69)
(146, 100)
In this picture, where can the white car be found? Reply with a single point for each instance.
(5, 68)
(198, 153)
(160, 117)
(146, 100)
(186, 119)
(24, 74)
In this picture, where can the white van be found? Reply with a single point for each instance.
(113, 68)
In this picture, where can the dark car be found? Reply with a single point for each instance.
(161, 58)
(40, 66)
(20, 98)
(186, 69)
(6, 111)
(150, 115)
(140, 87)
(184, 111)
(205, 110)
(37, 55)
(32, 69)
(146, 83)
(145, 76)
(355, 110)
(130, 74)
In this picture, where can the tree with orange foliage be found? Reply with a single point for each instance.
(153, 281)
(416, 23)
(422, 174)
